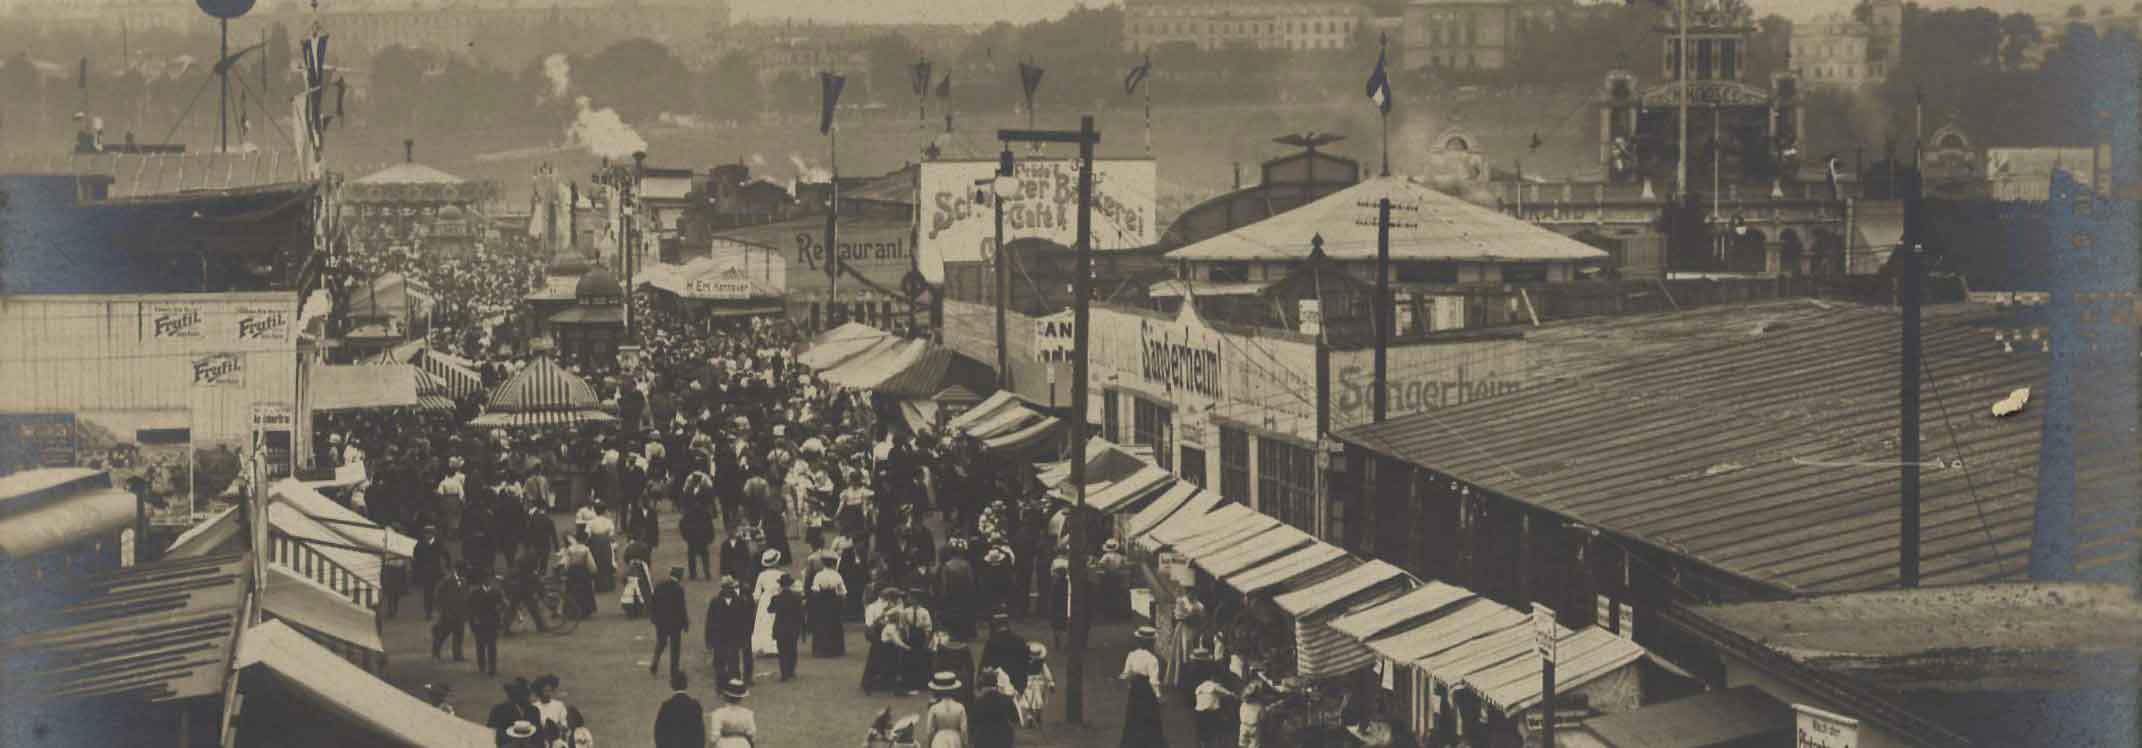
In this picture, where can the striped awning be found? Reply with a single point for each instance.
(1126, 492)
(1383, 620)
(1313, 600)
(1280, 541)
(1479, 641)
(1455, 626)
(1166, 505)
(542, 394)
(1187, 524)
(457, 375)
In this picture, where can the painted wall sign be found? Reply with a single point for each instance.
(1815, 728)
(1053, 338)
(172, 321)
(958, 227)
(219, 370)
(262, 324)
(1426, 377)
(1180, 358)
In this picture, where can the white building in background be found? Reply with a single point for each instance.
(1840, 51)
(1257, 25)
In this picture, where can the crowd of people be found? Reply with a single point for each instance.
(809, 512)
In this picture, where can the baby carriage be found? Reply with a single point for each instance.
(637, 590)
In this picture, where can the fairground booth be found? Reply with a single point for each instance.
(916, 383)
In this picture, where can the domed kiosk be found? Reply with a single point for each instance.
(593, 327)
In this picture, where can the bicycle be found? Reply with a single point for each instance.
(560, 616)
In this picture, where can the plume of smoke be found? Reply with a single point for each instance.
(808, 172)
(602, 132)
(758, 160)
(560, 74)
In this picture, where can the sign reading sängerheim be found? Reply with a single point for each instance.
(958, 227)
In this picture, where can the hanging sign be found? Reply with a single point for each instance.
(1312, 314)
(1053, 338)
(272, 426)
(1815, 728)
(1543, 631)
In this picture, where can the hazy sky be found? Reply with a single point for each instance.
(1019, 11)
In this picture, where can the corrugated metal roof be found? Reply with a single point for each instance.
(1426, 225)
(154, 632)
(1726, 717)
(1772, 457)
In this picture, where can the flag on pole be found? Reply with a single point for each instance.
(921, 78)
(1137, 76)
(944, 87)
(1379, 85)
(1029, 79)
(829, 86)
(342, 90)
(81, 76)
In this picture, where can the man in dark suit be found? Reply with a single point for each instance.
(735, 555)
(487, 614)
(1006, 651)
(453, 599)
(426, 565)
(671, 620)
(682, 721)
(730, 616)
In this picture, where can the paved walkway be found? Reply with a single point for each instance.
(603, 667)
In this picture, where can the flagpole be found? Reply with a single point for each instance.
(1383, 117)
(1148, 106)
(1680, 184)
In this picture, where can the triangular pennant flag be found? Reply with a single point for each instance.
(81, 77)
(829, 88)
(921, 78)
(1029, 79)
(944, 87)
(1379, 85)
(1137, 76)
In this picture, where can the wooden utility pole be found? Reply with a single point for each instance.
(1081, 606)
(1003, 269)
(1910, 368)
(1383, 306)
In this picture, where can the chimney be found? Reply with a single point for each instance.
(408, 151)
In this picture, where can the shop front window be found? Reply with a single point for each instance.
(1111, 421)
(1150, 424)
(1234, 464)
(1286, 483)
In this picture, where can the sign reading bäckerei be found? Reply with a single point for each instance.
(959, 227)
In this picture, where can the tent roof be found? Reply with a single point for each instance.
(311, 605)
(351, 693)
(353, 527)
(544, 386)
(408, 173)
(1426, 225)
(1312, 600)
(362, 387)
(1289, 567)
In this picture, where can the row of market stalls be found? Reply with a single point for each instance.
(925, 384)
(541, 393)
(1441, 659)
(172, 649)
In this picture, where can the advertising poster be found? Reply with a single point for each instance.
(272, 425)
(958, 227)
(1053, 338)
(219, 370)
(173, 321)
(147, 452)
(261, 324)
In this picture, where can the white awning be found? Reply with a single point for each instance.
(362, 387)
(343, 689)
(1579, 658)
(1242, 529)
(1266, 546)
(310, 605)
(1469, 620)
(1164, 507)
(1380, 621)
(1478, 642)
(66, 521)
(346, 522)
(1127, 491)
(1306, 602)
(990, 406)
(1286, 569)
(1187, 524)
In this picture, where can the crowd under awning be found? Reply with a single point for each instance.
(336, 388)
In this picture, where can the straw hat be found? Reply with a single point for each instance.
(734, 689)
(1111, 546)
(521, 729)
(1145, 633)
(945, 681)
(772, 557)
(1037, 650)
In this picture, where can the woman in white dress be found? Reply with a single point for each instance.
(762, 592)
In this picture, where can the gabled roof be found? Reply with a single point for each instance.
(1426, 225)
(1772, 457)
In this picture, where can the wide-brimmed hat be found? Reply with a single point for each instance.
(730, 583)
(772, 557)
(521, 729)
(945, 681)
(1144, 633)
(1037, 650)
(734, 689)
(1111, 546)
(1201, 653)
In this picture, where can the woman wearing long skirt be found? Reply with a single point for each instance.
(763, 591)
(1141, 719)
(888, 650)
(828, 594)
(580, 577)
